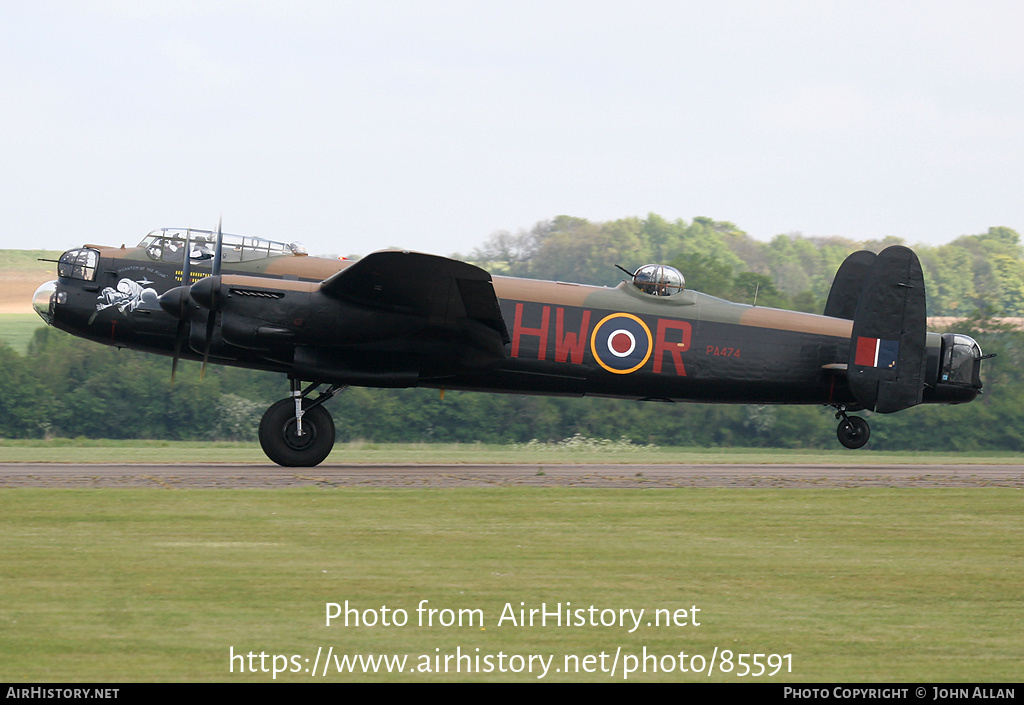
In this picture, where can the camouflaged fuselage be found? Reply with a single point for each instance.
(559, 338)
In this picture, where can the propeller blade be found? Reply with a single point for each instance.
(177, 349)
(186, 280)
(217, 252)
(211, 320)
(206, 294)
(186, 260)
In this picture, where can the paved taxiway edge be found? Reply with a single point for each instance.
(267, 476)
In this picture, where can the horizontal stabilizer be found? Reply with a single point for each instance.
(887, 349)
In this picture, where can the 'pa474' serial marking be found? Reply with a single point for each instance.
(723, 352)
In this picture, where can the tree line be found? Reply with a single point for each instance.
(982, 271)
(68, 387)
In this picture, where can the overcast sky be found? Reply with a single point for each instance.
(430, 124)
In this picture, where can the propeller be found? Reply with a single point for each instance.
(177, 301)
(186, 281)
(214, 290)
(205, 293)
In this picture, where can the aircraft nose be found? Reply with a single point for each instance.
(43, 300)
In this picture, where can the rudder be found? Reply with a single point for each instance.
(887, 348)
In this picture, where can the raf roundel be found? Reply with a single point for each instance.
(621, 343)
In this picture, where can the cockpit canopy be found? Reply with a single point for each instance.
(166, 245)
(658, 280)
(79, 264)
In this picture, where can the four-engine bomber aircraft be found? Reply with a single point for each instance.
(406, 319)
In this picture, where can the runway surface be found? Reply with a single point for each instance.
(224, 476)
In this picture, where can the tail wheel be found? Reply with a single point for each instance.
(281, 441)
(853, 432)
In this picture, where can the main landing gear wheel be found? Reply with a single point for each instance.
(282, 442)
(853, 431)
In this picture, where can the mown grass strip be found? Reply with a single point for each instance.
(857, 584)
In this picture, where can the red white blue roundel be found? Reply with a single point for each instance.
(621, 343)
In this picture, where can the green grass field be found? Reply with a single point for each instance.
(159, 585)
(854, 584)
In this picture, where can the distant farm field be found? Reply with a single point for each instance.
(851, 585)
(17, 329)
(21, 273)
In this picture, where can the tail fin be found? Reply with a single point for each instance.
(887, 349)
(849, 282)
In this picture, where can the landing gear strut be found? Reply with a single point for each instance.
(853, 431)
(299, 431)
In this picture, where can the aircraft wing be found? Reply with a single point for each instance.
(449, 294)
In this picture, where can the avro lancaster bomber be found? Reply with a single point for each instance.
(406, 319)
